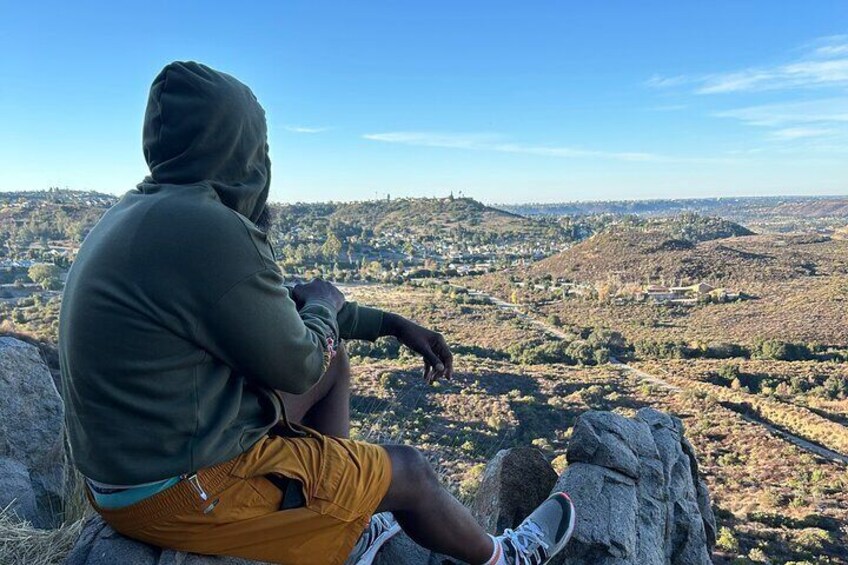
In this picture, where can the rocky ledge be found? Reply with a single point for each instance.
(32, 430)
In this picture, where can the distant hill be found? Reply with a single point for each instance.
(642, 256)
(689, 226)
(413, 230)
(815, 208)
(795, 286)
(49, 215)
(423, 216)
(640, 250)
(736, 208)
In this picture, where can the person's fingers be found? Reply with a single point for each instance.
(445, 354)
(432, 359)
(435, 375)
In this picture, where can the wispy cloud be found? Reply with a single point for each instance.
(803, 74)
(305, 129)
(801, 133)
(497, 143)
(813, 125)
(823, 63)
(436, 139)
(829, 46)
(822, 111)
(659, 81)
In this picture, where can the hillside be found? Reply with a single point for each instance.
(771, 214)
(820, 208)
(40, 217)
(430, 214)
(411, 230)
(780, 287)
(768, 494)
(652, 256)
(420, 216)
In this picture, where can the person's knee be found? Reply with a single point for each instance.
(414, 467)
(414, 482)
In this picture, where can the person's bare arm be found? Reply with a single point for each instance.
(431, 345)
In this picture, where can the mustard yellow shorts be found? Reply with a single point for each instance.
(343, 483)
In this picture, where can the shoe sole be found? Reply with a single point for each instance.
(572, 521)
(368, 557)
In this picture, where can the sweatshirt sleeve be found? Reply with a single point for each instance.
(256, 329)
(359, 322)
(356, 321)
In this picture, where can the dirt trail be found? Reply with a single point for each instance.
(661, 383)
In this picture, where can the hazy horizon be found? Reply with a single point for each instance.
(494, 100)
(515, 203)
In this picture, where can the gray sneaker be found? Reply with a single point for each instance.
(542, 534)
(381, 528)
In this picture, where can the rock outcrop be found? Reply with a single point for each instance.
(634, 482)
(514, 483)
(99, 544)
(636, 488)
(32, 428)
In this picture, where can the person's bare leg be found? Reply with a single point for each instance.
(425, 510)
(326, 406)
(428, 513)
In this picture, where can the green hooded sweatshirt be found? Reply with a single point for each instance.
(175, 325)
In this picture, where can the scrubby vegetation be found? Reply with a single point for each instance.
(586, 347)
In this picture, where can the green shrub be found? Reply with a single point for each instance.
(471, 482)
(729, 372)
(482, 352)
(663, 350)
(551, 351)
(580, 352)
(781, 351)
(726, 540)
(726, 351)
(813, 539)
(835, 387)
(383, 348)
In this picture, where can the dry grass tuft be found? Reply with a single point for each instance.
(23, 544)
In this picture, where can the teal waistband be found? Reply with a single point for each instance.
(125, 497)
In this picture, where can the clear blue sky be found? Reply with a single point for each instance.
(504, 101)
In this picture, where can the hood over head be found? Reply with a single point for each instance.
(203, 126)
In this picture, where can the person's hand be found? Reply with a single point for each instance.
(318, 290)
(438, 359)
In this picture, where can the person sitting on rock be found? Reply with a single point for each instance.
(208, 404)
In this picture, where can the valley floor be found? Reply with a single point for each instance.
(775, 499)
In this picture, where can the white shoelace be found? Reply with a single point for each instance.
(526, 539)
